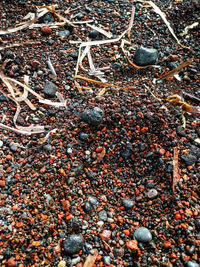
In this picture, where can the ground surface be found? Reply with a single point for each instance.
(68, 185)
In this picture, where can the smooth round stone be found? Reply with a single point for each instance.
(73, 244)
(92, 116)
(152, 193)
(127, 203)
(106, 260)
(145, 56)
(1, 143)
(92, 200)
(50, 89)
(65, 33)
(87, 206)
(142, 234)
(75, 261)
(93, 34)
(83, 136)
(191, 264)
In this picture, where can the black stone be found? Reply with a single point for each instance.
(73, 244)
(145, 56)
(87, 206)
(197, 224)
(50, 89)
(93, 34)
(180, 131)
(127, 203)
(189, 159)
(74, 55)
(92, 116)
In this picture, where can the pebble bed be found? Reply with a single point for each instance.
(103, 180)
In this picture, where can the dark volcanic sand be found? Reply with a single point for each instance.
(102, 175)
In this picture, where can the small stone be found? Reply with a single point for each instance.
(13, 147)
(128, 203)
(119, 252)
(3, 98)
(75, 261)
(73, 244)
(152, 193)
(50, 89)
(145, 56)
(87, 206)
(1, 143)
(180, 131)
(132, 244)
(107, 260)
(92, 116)
(34, 63)
(192, 264)
(173, 57)
(65, 33)
(48, 147)
(189, 159)
(74, 55)
(11, 262)
(62, 264)
(105, 235)
(103, 215)
(46, 30)
(142, 234)
(83, 136)
(115, 14)
(197, 224)
(92, 200)
(93, 34)
(2, 183)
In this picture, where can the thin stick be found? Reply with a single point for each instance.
(91, 258)
(175, 169)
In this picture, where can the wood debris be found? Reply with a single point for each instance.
(91, 258)
(175, 169)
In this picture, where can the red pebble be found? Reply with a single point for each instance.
(105, 235)
(161, 151)
(173, 57)
(167, 244)
(2, 183)
(35, 63)
(11, 262)
(46, 30)
(99, 149)
(177, 216)
(132, 244)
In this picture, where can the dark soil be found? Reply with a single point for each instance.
(107, 171)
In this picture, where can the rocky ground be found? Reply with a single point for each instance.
(105, 179)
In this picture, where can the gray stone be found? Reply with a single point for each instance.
(145, 56)
(191, 264)
(73, 244)
(127, 203)
(142, 234)
(106, 260)
(152, 193)
(65, 33)
(103, 215)
(50, 89)
(189, 159)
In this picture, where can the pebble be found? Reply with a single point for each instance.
(87, 206)
(100, 223)
(11, 262)
(191, 264)
(83, 136)
(119, 252)
(127, 203)
(127, 151)
(132, 244)
(1, 143)
(92, 200)
(152, 193)
(75, 261)
(107, 260)
(197, 224)
(61, 264)
(65, 33)
(93, 116)
(74, 55)
(50, 89)
(145, 56)
(189, 159)
(46, 30)
(93, 34)
(103, 215)
(105, 235)
(13, 147)
(142, 234)
(180, 131)
(73, 244)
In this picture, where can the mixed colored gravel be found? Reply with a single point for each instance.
(103, 180)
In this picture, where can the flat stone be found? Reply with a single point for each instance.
(73, 244)
(145, 56)
(191, 264)
(189, 159)
(65, 33)
(142, 234)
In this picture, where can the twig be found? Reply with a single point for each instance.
(91, 258)
(175, 169)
